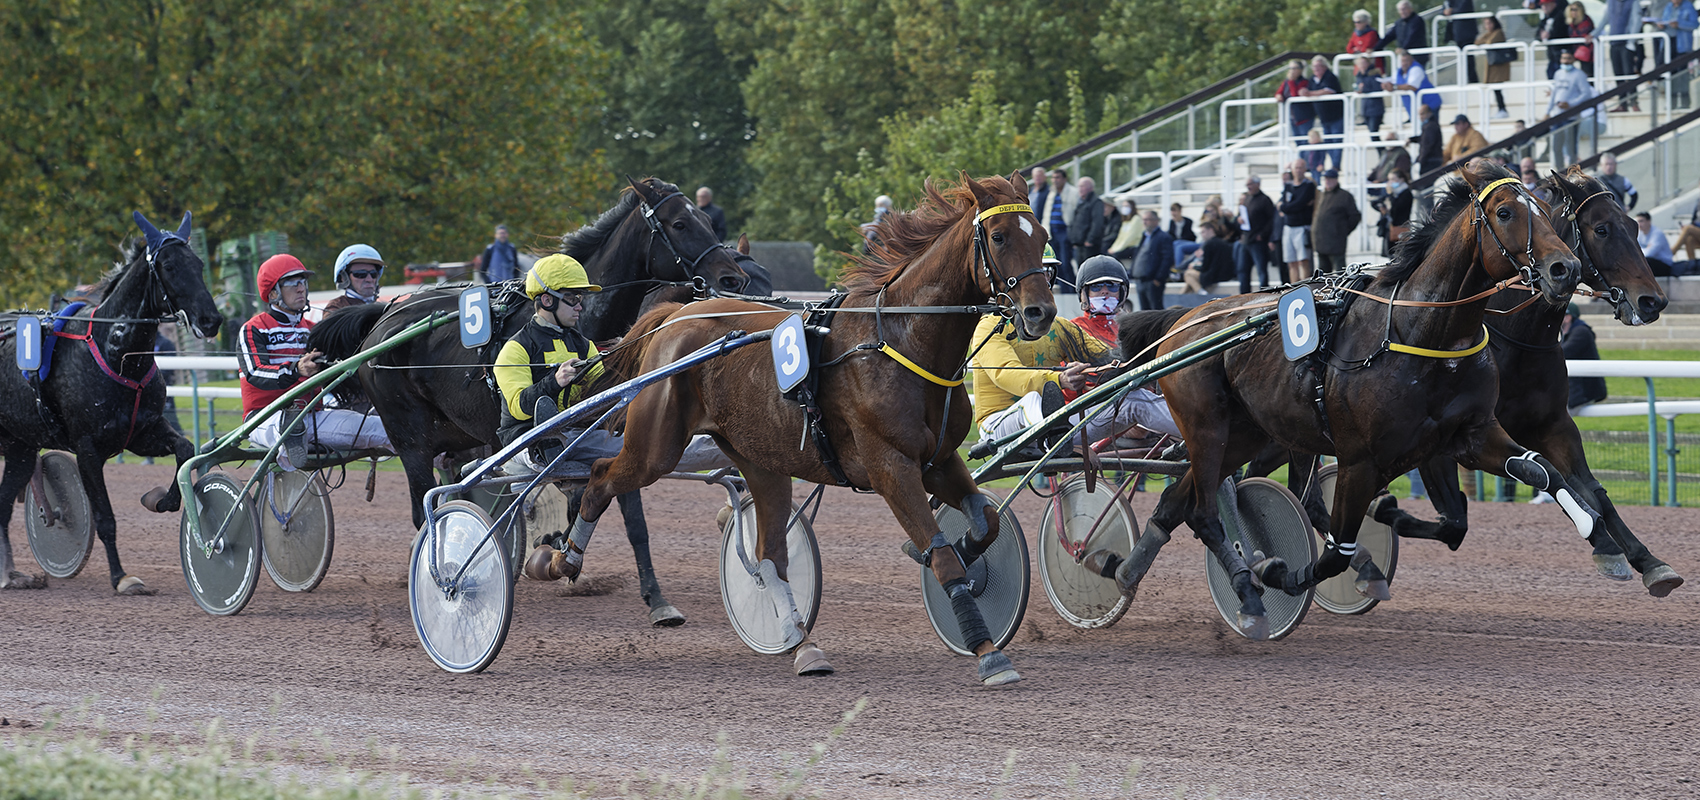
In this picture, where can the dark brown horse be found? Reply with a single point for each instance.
(895, 430)
(1402, 377)
(1534, 385)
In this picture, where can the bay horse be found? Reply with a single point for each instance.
(103, 394)
(1402, 377)
(1534, 384)
(895, 424)
(432, 393)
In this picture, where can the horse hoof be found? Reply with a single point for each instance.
(1374, 590)
(1253, 626)
(666, 616)
(1615, 567)
(1660, 580)
(810, 660)
(723, 516)
(19, 580)
(154, 500)
(996, 670)
(1127, 582)
(1102, 563)
(132, 586)
(1383, 505)
(548, 564)
(1270, 571)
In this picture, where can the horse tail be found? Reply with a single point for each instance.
(340, 334)
(624, 361)
(1136, 331)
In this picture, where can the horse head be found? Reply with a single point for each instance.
(689, 249)
(1009, 250)
(1514, 233)
(1603, 236)
(181, 275)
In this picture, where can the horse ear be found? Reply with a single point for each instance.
(744, 243)
(982, 195)
(1019, 182)
(183, 230)
(649, 195)
(149, 232)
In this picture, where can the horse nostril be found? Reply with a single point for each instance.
(1650, 305)
(730, 283)
(1034, 313)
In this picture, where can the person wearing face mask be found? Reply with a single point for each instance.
(274, 358)
(1129, 235)
(1395, 210)
(358, 270)
(1103, 289)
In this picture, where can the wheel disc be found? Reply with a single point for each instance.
(297, 529)
(999, 580)
(1337, 595)
(63, 547)
(753, 609)
(1269, 519)
(1090, 521)
(221, 582)
(461, 631)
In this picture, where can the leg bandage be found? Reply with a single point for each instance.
(968, 619)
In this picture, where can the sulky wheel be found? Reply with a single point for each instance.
(462, 622)
(58, 518)
(1078, 522)
(222, 565)
(1268, 519)
(751, 606)
(1337, 595)
(297, 529)
(998, 579)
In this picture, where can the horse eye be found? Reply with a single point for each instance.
(997, 237)
(1602, 231)
(1504, 214)
(678, 224)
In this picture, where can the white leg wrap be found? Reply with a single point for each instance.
(784, 606)
(1579, 515)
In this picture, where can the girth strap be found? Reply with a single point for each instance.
(916, 368)
(1427, 353)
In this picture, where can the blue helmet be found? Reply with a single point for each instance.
(356, 253)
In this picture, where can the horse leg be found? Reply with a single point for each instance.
(662, 614)
(92, 467)
(1441, 474)
(1301, 471)
(20, 467)
(421, 478)
(1621, 545)
(771, 494)
(953, 484)
(157, 441)
(1354, 485)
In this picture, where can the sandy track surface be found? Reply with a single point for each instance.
(1505, 670)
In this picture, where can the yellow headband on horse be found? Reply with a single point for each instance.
(1009, 208)
(1486, 190)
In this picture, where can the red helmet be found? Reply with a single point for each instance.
(275, 270)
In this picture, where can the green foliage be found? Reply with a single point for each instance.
(412, 127)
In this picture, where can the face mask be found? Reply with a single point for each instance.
(1103, 305)
(1395, 187)
(1127, 211)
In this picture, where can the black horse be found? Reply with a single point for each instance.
(1534, 385)
(653, 241)
(103, 394)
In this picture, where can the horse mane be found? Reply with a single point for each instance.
(580, 244)
(1572, 183)
(1136, 330)
(1454, 196)
(903, 235)
(129, 252)
(339, 335)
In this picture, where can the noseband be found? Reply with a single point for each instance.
(989, 266)
(688, 268)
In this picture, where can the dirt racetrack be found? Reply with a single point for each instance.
(1505, 670)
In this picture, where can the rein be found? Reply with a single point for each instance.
(1613, 294)
(656, 230)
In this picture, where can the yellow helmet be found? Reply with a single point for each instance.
(555, 273)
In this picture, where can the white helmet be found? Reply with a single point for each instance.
(352, 254)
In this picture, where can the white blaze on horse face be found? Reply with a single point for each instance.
(1026, 227)
(1526, 200)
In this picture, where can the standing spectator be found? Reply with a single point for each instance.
(1364, 39)
(1112, 227)
(1552, 28)
(1394, 156)
(1619, 185)
(1298, 201)
(1570, 88)
(1430, 154)
(1086, 227)
(1408, 31)
(1462, 31)
(1395, 210)
(1654, 245)
(1624, 17)
(1299, 112)
(1331, 113)
(1151, 267)
(1581, 27)
(1211, 263)
(1180, 228)
(1526, 150)
(1336, 217)
(1465, 140)
(716, 217)
(1366, 77)
(1257, 230)
(1678, 18)
(1577, 340)
(500, 260)
(358, 269)
(1054, 206)
(1497, 66)
(1409, 76)
(870, 229)
(1130, 235)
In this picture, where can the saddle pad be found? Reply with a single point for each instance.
(47, 340)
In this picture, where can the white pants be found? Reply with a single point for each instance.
(334, 428)
(1141, 407)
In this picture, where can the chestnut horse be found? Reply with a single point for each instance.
(895, 425)
(1404, 378)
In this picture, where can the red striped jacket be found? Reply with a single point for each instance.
(271, 344)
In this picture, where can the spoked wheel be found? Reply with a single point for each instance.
(1337, 595)
(462, 627)
(998, 579)
(58, 520)
(221, 572)
(297, 529)
(753, 607)
(1269, 518)
(1078, 521)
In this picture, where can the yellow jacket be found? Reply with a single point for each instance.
(999, 380)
